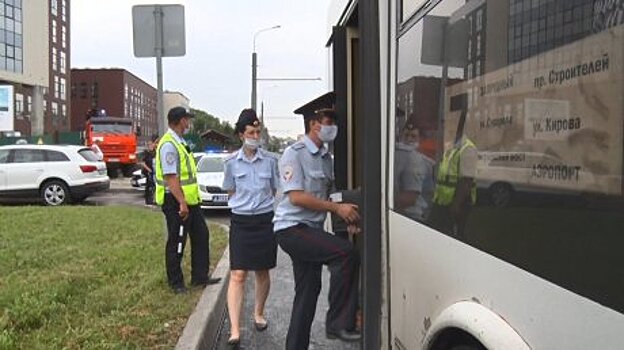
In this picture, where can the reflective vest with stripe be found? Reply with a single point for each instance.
(187, 173)
(448, 176)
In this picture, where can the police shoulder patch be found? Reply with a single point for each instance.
(170, 158)
(287, 172)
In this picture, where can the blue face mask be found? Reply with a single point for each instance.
(328, 133)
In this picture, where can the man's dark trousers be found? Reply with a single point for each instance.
(310, 248)
(196, 227)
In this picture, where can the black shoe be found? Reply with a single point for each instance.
(233, 343)
(207, 282)
(180, 290)
(344, 335)
(261, 326)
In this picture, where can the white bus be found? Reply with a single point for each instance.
(537, 85)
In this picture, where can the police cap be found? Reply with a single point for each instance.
(177, 113)
(247, 117)
(324, 102)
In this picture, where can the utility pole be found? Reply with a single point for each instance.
(254, 66)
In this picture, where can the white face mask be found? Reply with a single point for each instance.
(252, 143)
(328, 133)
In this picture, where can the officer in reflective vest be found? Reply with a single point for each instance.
(177, 193)
(455, 192)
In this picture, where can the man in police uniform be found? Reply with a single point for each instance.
(306, 173)
(178, 194)
(455, 190)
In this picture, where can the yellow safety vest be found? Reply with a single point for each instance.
(187, 173)
(448, 175)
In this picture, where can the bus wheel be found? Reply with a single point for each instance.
(501, 194)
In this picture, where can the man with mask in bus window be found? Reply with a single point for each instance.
(410, 172)
(306, 173)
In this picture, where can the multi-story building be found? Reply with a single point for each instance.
(27, 27)
(57, 101)
(117, 91)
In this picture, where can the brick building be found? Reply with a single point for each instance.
(119, 92)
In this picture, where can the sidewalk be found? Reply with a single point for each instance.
(278, 313)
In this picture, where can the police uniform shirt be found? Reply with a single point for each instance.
(253, 181)
(467, 160)
(409, 173)
(303, 167)
(169, 158)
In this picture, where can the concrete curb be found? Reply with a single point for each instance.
(202, 326)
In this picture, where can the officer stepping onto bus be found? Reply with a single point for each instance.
(306, 173)
(177, 193)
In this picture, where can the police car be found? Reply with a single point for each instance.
(210, 173)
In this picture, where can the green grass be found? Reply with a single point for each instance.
(90, 278)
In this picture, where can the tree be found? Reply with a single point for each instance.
(204, 121)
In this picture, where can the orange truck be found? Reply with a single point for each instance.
(116, 138)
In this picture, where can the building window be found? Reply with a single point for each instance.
(63, 110)
(55, 110)
(19, 103)
(64, 36)
(63, 10)
(11, 35)
(63, 62)
(54, 7)
(479, 21)
(29, 104)
(56, 87)
(62, 84)
(54, 60)
(83, 90)
(54, 31)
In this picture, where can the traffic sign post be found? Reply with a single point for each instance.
(159, 31)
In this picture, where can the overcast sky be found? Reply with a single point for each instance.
(216, 71)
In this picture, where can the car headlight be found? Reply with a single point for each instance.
(132, 156)
(202, 188)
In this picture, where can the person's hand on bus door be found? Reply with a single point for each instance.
(348, 212)
(353, 229)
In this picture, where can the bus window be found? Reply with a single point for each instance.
(509, 135)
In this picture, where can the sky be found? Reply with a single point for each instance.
(215, 73)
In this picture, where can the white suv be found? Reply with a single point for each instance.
(56, 174)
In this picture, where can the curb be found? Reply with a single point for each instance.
(203, 325)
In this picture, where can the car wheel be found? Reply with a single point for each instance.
(501, 194)
(54, 193)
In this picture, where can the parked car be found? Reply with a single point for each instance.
(210, 178)
(55, 174)
(138, 180)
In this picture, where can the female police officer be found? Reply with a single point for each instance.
(251, 179)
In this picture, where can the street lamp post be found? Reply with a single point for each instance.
(254, 66)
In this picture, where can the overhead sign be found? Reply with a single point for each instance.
(6, 108)
(158, 27)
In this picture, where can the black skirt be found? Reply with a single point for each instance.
(252, 242)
